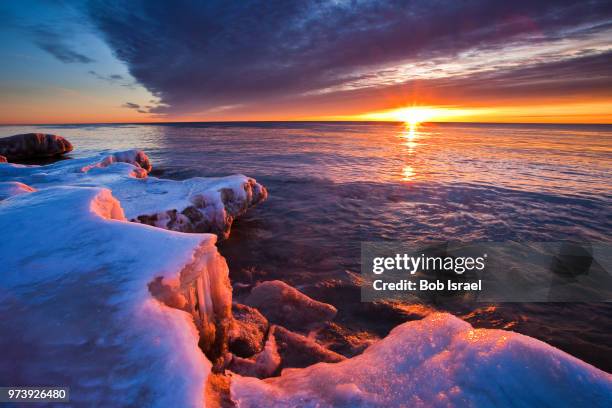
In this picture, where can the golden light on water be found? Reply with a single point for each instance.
(409, 135)
(408, 173)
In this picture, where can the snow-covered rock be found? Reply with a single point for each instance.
(285, 305)
(76, 306)
(194, 205)
(263, 364)
(438, 361)
(33, 145)
(248, 331)
(298, 351)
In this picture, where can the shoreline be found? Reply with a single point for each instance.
(267, 360)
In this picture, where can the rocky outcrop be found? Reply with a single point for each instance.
(286, 306)
(262, 365)
(29, 146)
(3, 159)
(297, 351)
(248, 331)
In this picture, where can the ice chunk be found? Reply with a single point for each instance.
(301, 351)
(438, 361)
(194, 205)
(284, 305)
(76, 306)
(136, 157)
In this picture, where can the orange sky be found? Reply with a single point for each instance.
(496, 63)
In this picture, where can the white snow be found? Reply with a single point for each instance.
(75, 282)
(75, 306)
(217, 201)
(11, 188)
(438, 361)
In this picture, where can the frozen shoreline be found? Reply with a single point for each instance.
(78, 303)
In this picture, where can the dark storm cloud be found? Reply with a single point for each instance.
(55, 44)
(196, 55)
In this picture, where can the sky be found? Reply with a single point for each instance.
(440, 60)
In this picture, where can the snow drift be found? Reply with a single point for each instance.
(84, 293)
(75, 305)
(438, 361)
(193, 205)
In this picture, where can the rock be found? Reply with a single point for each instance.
(32, 146)
(3, 159)
(343, 340)
(262, 365)
(297, 351)
(248, 331)
(284, 305)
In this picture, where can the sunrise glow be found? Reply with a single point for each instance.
(414, 115)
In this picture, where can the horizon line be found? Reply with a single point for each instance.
(301, 121)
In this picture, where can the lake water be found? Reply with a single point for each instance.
(334, 185)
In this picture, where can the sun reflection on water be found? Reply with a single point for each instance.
(408, 173)
(408, 136)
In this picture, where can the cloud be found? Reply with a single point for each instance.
(113, 79)
(198, 56)
(56, 45)
(131, 105)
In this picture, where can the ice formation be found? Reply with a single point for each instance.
(194, 205)
(438, 361)
(75, 305)
(285, 305)
(116, 310)
(301, 351)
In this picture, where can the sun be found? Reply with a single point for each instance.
(413, 116)
(410, 115)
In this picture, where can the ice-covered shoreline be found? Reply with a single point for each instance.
(193, 205)
(437, 361)
(75, 305)
(116, 309)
